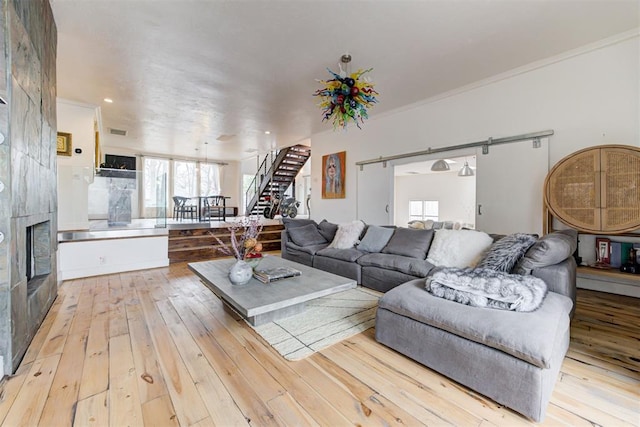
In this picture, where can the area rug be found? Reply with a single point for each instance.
(325, 321)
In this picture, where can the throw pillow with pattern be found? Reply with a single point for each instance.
(505, 253)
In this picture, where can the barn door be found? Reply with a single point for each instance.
(509, 181)
(375, 194)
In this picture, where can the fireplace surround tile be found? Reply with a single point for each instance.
(28, 172)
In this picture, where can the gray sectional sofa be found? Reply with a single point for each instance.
(512, 357)
(381, 270)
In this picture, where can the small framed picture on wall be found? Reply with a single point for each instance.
(63, 144)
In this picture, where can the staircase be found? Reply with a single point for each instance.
(276, 173)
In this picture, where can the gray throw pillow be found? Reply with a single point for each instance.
(409, 242)
(550, 249)
(290, 223)
(375, 239)
(327, 229)
(306, 235)
(504, 253)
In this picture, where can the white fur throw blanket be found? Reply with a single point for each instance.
(481, 287)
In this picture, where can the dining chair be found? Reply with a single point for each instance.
(181, 208)
(214, 206)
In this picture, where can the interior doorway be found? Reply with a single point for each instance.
(420, 193)
(303, 193)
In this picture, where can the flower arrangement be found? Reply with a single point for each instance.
(243, 241)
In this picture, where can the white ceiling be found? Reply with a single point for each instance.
(182, 73)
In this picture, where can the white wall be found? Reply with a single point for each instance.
(457, 196)
(75, 173)
(588, 97)
(88, 258)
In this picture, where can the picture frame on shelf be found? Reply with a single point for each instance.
(603, 251)
(63, 144)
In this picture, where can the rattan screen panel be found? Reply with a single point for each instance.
(597, 190)
(621, 189)
(572, 191)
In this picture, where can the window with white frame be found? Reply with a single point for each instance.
(185, 178)
(210, 179)
(155, 184)
(423, 209)
(191, 179)
(155, 187)
(179, 178)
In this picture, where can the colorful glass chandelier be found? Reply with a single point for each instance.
(346, 97)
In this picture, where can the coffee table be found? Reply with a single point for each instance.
(260, 303)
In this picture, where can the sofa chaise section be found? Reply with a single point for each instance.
(512, 357)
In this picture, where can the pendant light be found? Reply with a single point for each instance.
(440, 166)
(466, 170)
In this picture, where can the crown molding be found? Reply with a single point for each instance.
(591, 47)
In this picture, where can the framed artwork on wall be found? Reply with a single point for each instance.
(333, 175)
(63, 144)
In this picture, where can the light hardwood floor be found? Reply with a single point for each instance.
(156, 348)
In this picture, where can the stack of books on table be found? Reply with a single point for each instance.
(272, 274)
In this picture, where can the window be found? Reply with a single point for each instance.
(184, 178)
(155, 175)
(209, 179)
(165, 178)
(189, 177)
(423, 209)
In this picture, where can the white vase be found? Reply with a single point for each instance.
(240, 273)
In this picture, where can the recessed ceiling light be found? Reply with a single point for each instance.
(267, 132)
(109, 100)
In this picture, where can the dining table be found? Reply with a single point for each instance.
(207, 204)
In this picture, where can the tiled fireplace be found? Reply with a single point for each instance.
(28, 189)
(37, 254)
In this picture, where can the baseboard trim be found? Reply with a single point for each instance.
(110, 269)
